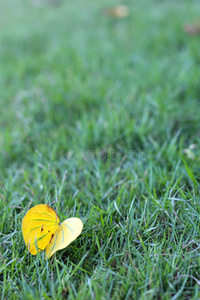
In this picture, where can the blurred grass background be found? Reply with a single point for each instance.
(97, 112)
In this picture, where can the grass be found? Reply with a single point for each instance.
(96, 113)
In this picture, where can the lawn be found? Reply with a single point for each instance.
(102, 116)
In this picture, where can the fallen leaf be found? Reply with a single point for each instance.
(42, 229)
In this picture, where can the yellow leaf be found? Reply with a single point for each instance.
(42, 229)
(66, 233)
(38, 226)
